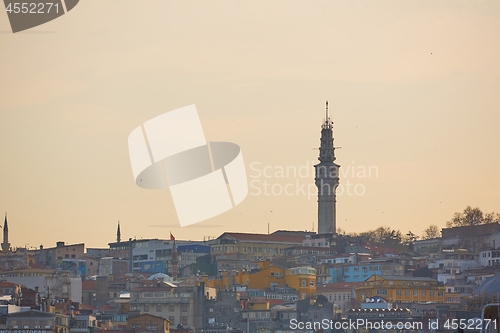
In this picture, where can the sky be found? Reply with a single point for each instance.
(412, 88)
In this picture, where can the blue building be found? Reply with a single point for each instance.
(362, 271)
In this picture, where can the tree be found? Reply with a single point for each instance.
(410, 238)
(431, 232)
(472, 216)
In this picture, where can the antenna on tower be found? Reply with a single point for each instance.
(326, 120)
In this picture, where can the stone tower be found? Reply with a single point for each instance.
(327, 179)
(5, 244)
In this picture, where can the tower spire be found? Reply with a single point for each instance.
(118, 233)
(5, 244)
(327, 119)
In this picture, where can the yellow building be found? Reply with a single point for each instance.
(303, 279)
(258, 305)
(150, 323)
(255, 246)
(405, 289)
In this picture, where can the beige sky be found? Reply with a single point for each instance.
(413, 87)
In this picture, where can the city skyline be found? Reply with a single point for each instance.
(412, 89)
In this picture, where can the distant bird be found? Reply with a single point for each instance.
(431, 52)
(441, 202)
(271, 211)
(383, 212)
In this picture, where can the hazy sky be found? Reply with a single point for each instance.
(413, 88)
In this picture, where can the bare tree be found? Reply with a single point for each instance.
(472, 216)
(431, 232)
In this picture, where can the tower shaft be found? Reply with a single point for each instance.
(327, 179)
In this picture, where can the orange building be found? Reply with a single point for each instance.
(303, 279)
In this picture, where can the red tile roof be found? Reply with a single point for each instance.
(8, 284)
(89, 285)
(337, 286)
(264, 237)
(106, 307)
(84, 306)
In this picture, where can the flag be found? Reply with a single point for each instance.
(172, 237)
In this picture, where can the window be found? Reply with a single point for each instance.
(415, 292)
(260, 250)
(146, 307)
(303, 295)
(303, 283)
(184, 308)
(398, 292)
(254, 250)
(171, 319)
(311, 283)
(152, 327)
(265, 250)
(184, 320)
(171, 307)
(159, 308)
(440, 294)
(382, 292)
(424, 293)
(432, 293)
(407, 293)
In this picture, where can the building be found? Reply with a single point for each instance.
(327, 179)
(222, 312)
(112, 266)
(310, 310)
(62, 284)
(265, 276)
(340, 293)
(405, 289)
(53, 257)
(362, 271)
(180, 305)
(97, 253)
(451, 263)
(156, 255)
(82, 323)
(149, 323)
(248, 246)
(37, 321)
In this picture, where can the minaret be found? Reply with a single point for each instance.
(5, 244)
(327, 179)
(118, 234)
